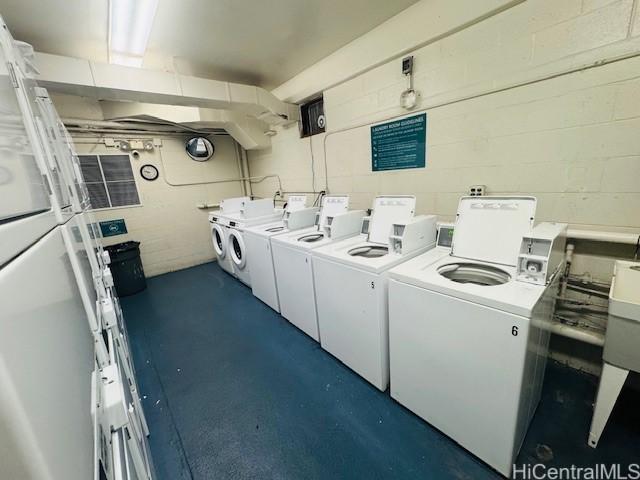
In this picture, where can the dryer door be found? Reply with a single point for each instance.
(237, 249)
(218, 236)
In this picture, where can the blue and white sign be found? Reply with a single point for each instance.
(110, 228)
(399, 144)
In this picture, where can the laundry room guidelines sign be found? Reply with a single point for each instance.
(400, 144)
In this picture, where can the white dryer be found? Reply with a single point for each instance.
(257, 242)
(220, 232)
(292, 260)
(254, 212)
(350, 278)
(467, 331)
(238, 213)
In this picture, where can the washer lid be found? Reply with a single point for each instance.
(386, 212)
(490, 229)
(331, 206)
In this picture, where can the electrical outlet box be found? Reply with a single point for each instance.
(477, 190)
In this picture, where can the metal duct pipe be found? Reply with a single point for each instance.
(82, 122)
(133, 124)
(122, 132)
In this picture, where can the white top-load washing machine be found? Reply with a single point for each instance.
(292, 260)
(350, 278)
(220, 233)
(253, 212)
(257, 241)
(468, 334)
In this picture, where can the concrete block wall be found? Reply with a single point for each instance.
(173, 232)
(503, 111)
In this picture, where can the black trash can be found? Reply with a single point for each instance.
(126, 268)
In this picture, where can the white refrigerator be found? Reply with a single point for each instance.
(69, 401)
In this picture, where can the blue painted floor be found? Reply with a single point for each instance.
(232, 390)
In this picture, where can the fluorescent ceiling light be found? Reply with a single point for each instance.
(130, 24)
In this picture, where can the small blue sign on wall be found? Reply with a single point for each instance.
(399, 144)
(111, 228)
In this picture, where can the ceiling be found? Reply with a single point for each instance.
(248, 41)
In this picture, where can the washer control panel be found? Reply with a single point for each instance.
(445, 235)
(541, 253)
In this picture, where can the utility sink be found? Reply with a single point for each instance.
(621, 344)
(622, 341)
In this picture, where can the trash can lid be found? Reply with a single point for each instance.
(122, 247)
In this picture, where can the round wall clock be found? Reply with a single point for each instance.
(149, 172)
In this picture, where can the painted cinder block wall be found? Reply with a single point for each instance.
(173, 232)
(502, 112)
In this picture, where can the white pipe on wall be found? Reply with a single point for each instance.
(568, 258)
(575, 333)
(602, 236)
(241, 179)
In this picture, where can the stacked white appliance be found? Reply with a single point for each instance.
(257, 242)
(220, 230)
(294, 267)
(231, 227)
(350, 278)
(469, 328)
(69, 404)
